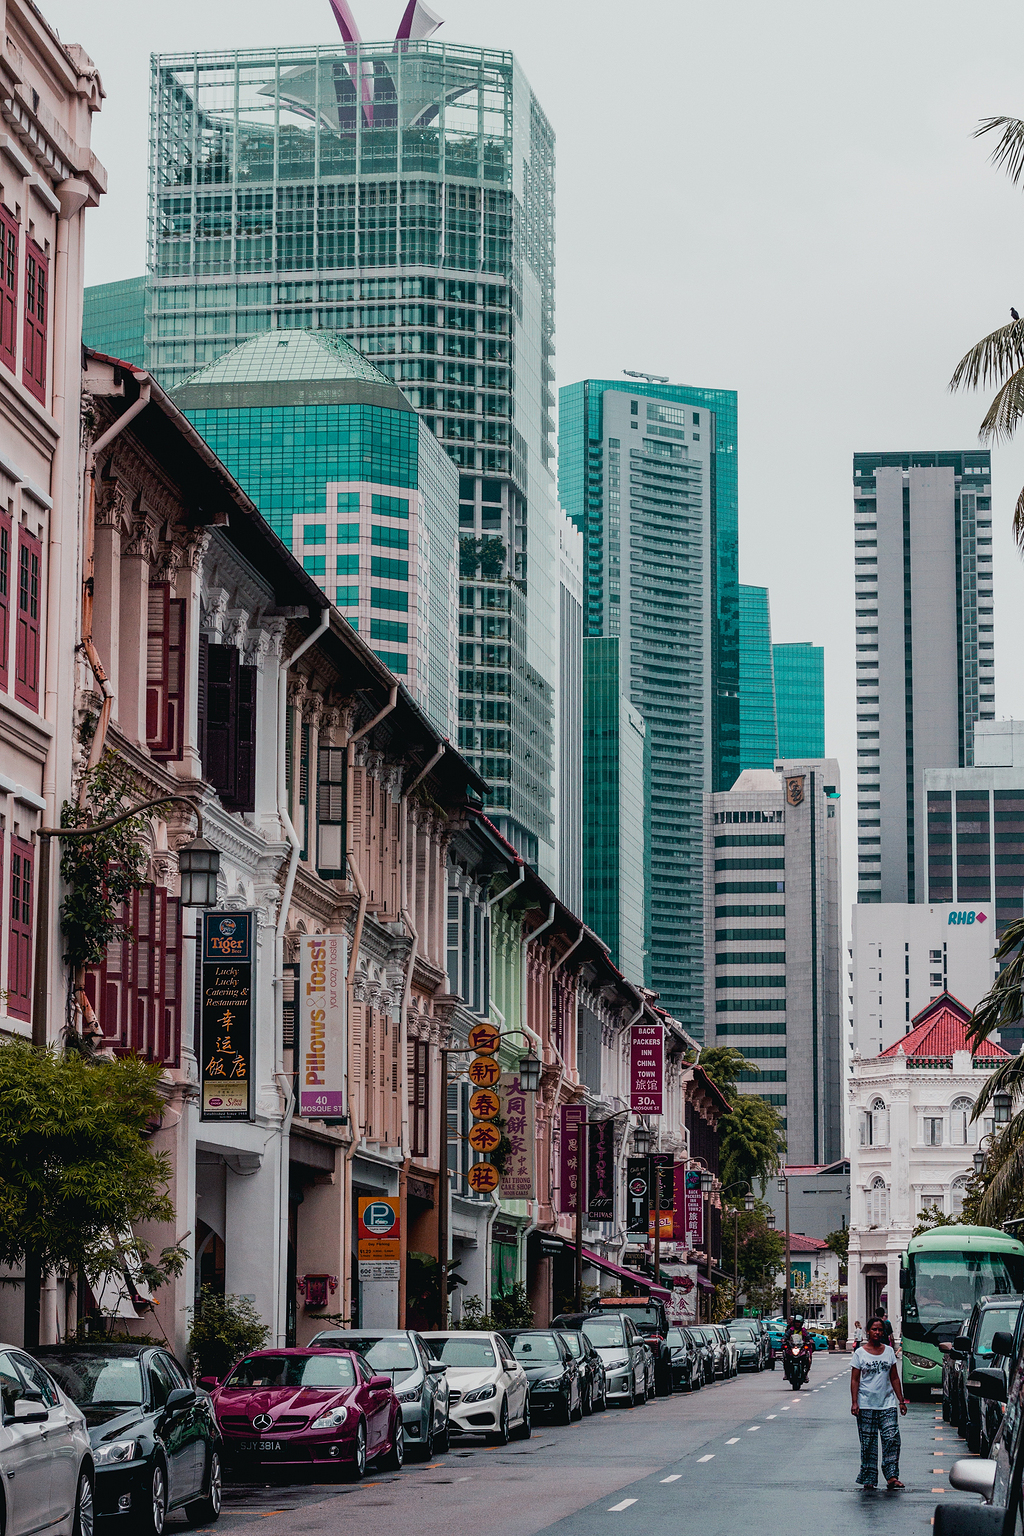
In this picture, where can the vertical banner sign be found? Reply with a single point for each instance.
(601, 1171)
(321, 1020)
(572, 1170)
(646, 1069)
(664, 1162)
(226, 1023)
(517, 1111)
(694, 1212)
(379, 1237)
(637, 1202)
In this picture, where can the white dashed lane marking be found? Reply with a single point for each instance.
(673, 1479)
(710, 1457)
(617, 1509)
(734, 1441)
(750, 1431)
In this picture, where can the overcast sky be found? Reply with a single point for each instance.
(781, 198)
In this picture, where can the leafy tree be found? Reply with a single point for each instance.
(100, 872)
(224, 1328)
(997, 1194)
(933, 1216)
(78, 1172)
(513, 1310)
(723, 1064)
(751, 1141)
(998, 359)
(838, 1242)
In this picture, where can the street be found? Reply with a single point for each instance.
(722, 1462)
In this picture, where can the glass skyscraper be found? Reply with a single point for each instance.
(114, 320)
(352, 480)
(402, 194)
(799, 669)
(759, 736)
(648, 473)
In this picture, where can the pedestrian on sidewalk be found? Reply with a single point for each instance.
(858, 1335)
(877, 1402)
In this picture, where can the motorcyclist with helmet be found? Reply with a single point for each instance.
(798, 1336)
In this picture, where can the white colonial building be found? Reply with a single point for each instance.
(912, 1142)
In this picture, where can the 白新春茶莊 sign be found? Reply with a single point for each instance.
(320, 1018)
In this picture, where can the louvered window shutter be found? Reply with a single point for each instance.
(245, 715)
(202, 672)
(330, 813)
(219, 758)
(303, 827)
(165, 671)
(19, 931)
(26, 649)
(8, 289)
(5, 597)
(454, 1145)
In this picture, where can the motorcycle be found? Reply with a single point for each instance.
(797, 1364)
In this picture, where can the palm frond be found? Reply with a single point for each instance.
(1003, 1192)
(1003, 1006)
(992, 359)
(1007, 1078)
(1018, 520)
(1009, 152)
(1006, 412)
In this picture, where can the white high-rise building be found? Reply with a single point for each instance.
(925, 659)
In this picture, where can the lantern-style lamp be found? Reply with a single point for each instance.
(707, 1181)
(198, 866)
(979, 1162)
(770, 1219)
(643, 1140)
(529, 1073)
(748, 1201)
(1001, 1108)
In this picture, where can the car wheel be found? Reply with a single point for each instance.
(357, 1468)
(974, 1438)
(443, 1442)
(500, 1435)
(602, 1404)
(577, 1412)
(153, 1513)
(945, 1408)
(85, 1509)
(206, 1511)
(427, 1447)
(587, 1401)
(394, 1460)
(525, 1429)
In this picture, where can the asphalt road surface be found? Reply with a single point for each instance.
(728, 1461)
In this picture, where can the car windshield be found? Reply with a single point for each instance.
(740, 1332)
(647, 1319)
(945, 1284)
(993, 1321)
(91, 1380)
(609, 1335)
(535, 1346)
(573, 1343)
(381, 1354)
(475, 1354)
(293, 1371)
(676, 1337)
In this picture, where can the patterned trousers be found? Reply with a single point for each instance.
(885, 1424)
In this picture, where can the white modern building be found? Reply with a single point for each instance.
(925, 659)
(901, 957)
(911, 1141)
(771, 924)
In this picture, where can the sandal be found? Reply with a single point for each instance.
(894, 1482)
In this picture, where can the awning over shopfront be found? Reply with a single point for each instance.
(622, 1273)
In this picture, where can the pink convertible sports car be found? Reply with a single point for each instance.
(291, 1408)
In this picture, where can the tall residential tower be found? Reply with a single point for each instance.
(925, 656)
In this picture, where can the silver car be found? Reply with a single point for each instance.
(627, 1360)
(421, 1382)
(46, 1465)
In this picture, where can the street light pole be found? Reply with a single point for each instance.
(784, 1184)
(656, 1171)
(581, 1143)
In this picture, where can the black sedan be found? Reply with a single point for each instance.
(593, 1377)
(551, 1370)
(155, 1439)
(687, 1365)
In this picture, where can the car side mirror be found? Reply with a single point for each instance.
(181, 1397)
(30, 1408)
(988, 1384)
(1002, 1343)
(437, 1367)
(904, 1278)
(960, 1347)
(973, 1475)
(378, 1383)
(209, 1383)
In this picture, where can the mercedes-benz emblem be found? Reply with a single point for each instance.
(262, 1421)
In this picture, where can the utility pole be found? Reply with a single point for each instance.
(735, 1261)
(442, 1187)
(656, 1171)
(784, 1184)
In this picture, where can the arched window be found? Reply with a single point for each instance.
(874, 1125)
(960, 1128)
(956, 1196)
(878, 1203)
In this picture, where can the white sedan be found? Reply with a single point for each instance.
(46, 1466)
(488, 1392)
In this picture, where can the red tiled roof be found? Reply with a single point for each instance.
(798, 1243)
(940, 1029)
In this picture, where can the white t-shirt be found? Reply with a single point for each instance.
(875, 1389)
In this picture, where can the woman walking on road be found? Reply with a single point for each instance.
(878, 1401)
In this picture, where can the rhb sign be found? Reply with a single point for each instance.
(956, 918)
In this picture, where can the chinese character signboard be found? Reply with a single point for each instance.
(321, 1020)
(601, 1171)
(571, 1164)
(379, 1237)
(517, 1111)
(637, 1203)
(226, 1016)
(665, 1164)
(694, 1210)
(646, 1069)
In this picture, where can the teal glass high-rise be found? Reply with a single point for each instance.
(759, 736)
(800, 699)
(647, 471)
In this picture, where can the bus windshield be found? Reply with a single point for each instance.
(943, 1286)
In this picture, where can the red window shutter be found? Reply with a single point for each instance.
(219, 751)
(202, 671)
(6, 577)
(37, 280)
(165, 672)
(169, 1043)
(8, 289)
(19, 932)
(245, 737)
(26, 650)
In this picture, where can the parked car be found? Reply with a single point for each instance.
(651, 1320)
(46, 1457)
(730, 1360)
(552, 1370)
(706, 1353)
(998, 1479)
(750, 1344)
(593, 1380)
(952, 1371)
(621, 1348)
(488, 1390)
(717, 1348)
(287, 1409)
(156, 1443)
(978, 1418)
(420, 1381)
(775, 1336)
(687, 1362)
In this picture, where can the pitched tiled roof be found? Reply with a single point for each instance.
(798, 1243)
(940, 1029)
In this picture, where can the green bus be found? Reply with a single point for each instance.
(943, 1273)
